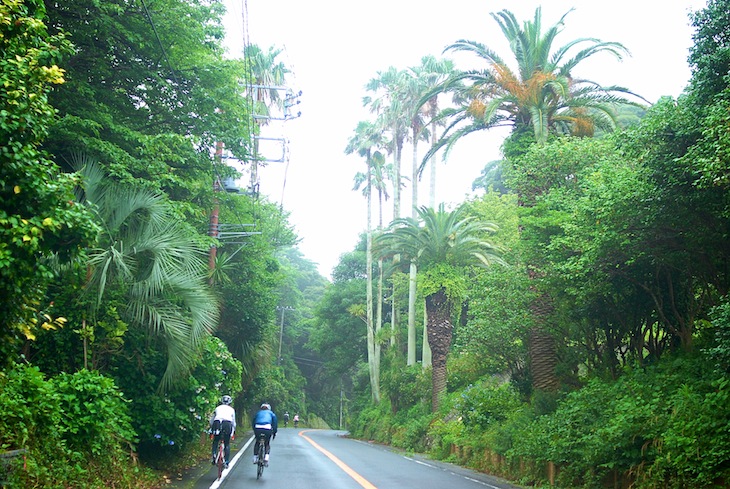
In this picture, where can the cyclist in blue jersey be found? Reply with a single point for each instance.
(264, 422)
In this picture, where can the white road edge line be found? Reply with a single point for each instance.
(480, 482)
(420, 462)
(490, 486)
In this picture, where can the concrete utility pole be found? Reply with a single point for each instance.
(213, 228)
(281, 329)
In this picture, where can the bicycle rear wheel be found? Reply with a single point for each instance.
(262, 459)
(220, 460)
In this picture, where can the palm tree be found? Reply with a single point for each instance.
(541, 98)
(421, 79)
(442, 243)
(434, 73)
(386, 103)
(378, 174)
(542, 95)
(264, 90)
(366, 138)
(144, 252)
(412, 91)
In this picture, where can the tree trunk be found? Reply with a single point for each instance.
(426, 358)
(413, 269)
(432, 163)
(439, 338)
(373, 350)
(543, 358)
(397, 147)
(412, 314)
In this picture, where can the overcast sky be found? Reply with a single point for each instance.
(334, 47)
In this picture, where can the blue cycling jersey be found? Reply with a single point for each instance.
(265, 419)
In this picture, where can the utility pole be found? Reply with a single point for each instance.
(281, 329)
(341, 399)
(213, 229)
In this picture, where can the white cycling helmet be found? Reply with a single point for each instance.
(266, 406)
(226, 400)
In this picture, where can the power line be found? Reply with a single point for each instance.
(159, 41)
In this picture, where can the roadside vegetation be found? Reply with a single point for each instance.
(568, 326)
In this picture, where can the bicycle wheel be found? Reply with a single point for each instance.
(220, 460)
(262, 457)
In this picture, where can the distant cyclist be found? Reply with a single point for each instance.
(296, 420)
(223, 425)
(286, 418)
(264, 422)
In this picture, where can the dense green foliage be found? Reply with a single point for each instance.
(627, 235)
(117, 341)
(76, 429)
(142, 95)
(38, 215)
(148, 93)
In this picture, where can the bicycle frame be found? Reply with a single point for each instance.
(220, 458)
(261, 456)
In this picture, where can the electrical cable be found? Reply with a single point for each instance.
(159, 41)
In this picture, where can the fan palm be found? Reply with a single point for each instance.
(148, 255)
(441, 243)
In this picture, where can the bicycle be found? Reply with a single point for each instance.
(220, 458)
(261, 462)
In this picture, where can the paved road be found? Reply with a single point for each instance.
(314, 459)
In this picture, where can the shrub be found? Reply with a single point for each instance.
(75, 428)
(412, 428)
(444, 435)
(171, 422)
(663, 426)
(406, 386)
(486, 403)
(95, 415)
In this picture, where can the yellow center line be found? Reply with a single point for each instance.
(358, 478)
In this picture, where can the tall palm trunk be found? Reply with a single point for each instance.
(379, 304)
(412, 278)
(397, 150)
(413, 271)
(541, 347)
(426, 356)
(373, 350)
(440, 329)
(432, 160)
(541, 344)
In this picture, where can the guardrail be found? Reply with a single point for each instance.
(5, 459)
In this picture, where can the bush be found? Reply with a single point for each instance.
(720, 352)
(486, 403)
(171, 423)
(406, 386)
(411, 431)
(75, 428)
(95, 416)
(444, 436)
(663, 426)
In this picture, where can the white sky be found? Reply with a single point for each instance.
(334, 47)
